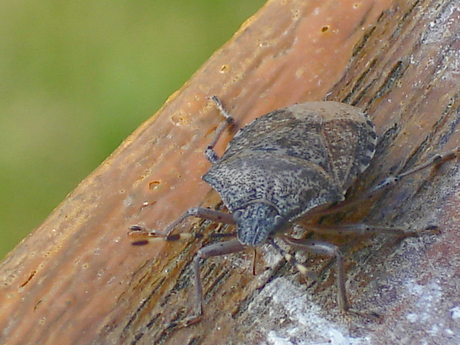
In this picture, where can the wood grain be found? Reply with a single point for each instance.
(77, 280)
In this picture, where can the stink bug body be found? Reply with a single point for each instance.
(293, 163)
(289, 162)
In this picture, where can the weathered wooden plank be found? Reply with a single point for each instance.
(77, 279)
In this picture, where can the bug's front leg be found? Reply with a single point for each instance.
(215, 249)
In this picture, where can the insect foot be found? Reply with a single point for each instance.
(293, 163)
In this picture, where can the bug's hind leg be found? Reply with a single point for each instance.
(363, 229)
(389, 182)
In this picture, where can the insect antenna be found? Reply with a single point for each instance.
(141, 236)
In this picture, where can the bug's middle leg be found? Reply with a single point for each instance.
(328, 249)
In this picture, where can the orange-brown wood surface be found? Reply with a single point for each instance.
(78, 280)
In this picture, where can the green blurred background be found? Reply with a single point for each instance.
(76, 78)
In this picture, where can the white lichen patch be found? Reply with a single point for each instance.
(294, 319)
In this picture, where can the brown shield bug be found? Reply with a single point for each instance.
(290, 164)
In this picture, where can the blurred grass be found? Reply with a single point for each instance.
(76, 78)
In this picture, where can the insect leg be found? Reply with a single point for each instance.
(216, 216)
(389, 182)
(211, 155)
(324, 248)
(215, 249)
(363, 228)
